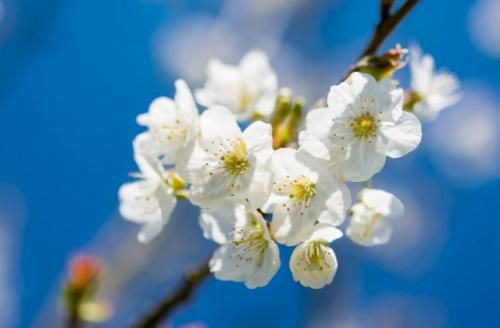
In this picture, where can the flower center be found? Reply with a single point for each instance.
(250, 242)
(174, 132)
(316, 257)
(302, 189)
(236, 161)
(364, 126)
(246, 99)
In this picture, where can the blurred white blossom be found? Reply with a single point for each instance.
(150, 200)
(369, 224)
(248, 90)
(465, 142)
(431, 91)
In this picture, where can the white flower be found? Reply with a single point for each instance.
(431, 91)
(228, 164)
(172, 126)
(248, 90)
(248, 254)
(303, 194)
(369, 225)
(150, 200)
(313, 263)
(364, 123)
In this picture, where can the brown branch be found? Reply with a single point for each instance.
(383, 29)
(73, 320)
(191, 281)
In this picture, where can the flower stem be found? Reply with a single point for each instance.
(386, 25)
(167, 305)
(73, 320)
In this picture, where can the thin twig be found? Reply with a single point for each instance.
(191, 281)
(386, 25)
(73, 320)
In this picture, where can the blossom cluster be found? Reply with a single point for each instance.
(254, 195)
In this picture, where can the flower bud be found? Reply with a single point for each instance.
(83, 271)
(286, 118)
(381, 67)
(82, 277)
(281, 106)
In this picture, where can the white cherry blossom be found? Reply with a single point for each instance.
(227, 164)
(313, 263)
(172, 126)
(431, 91)
(248, 90)
(369, 224)
(364, 123)
(247, 253)
(303, 193)
(150, 200)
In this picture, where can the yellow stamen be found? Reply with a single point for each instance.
(364, 126)
(236, 160)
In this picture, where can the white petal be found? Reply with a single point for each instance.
(403, 137)
(422, 68)
(227, 266)
(268, 268)
(223, 86)
(218, 122)
(258, 136)
(219, 222)
(259, 187)
(331, 201)
(285, 162)
(325, 233)
(346, 93)
(149, 231)
(370, 234)
(159, 108)
(382, 202)
(131, 207)
(147, 203)
(290, 227)
(363, 162)
(314, 139)
(360, 213)
(184, 99)
(257, 73)
(167, 202)
(145, 146)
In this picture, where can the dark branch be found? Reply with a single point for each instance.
(385, 27)
(191, 281)
(385, 8)
(73, 320)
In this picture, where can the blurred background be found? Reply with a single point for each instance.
(73, 76)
